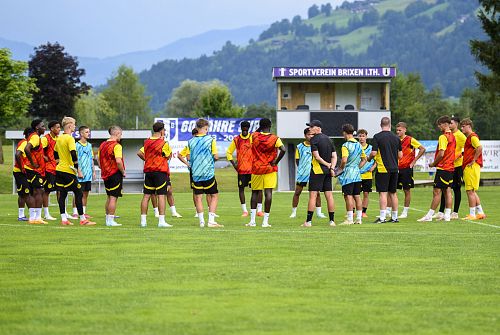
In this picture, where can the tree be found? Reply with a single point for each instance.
(58, 79)
(216, 101)
(261, 111)
(313, 11)
(184, 99)
(488, 52)
(126, 95)
(16, 90)
(326, 9)
(94, 111)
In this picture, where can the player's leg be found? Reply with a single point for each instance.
(144, 209)
(295, 199)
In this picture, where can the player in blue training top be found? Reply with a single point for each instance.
(303, 158)
(366, 170)
(86, 172)
(353, 158)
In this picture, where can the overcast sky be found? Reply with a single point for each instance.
(103, 28)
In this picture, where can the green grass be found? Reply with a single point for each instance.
(409, 277)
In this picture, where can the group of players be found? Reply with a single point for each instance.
(57, 162)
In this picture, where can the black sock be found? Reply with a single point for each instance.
(364, 209)
(443, 202)
(458, 198)
(331, 215)
(309, 216)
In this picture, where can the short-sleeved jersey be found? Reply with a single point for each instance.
(36, 154)
(156, 153)
(471, 143)
(304, 156)
(64, 145)
(408, 146)
(48, 144)
(353, 151)
(446, 142)
(20, 147)
(85, 160)
(387, 145)
(108, 153)
(365, 169)
(243, 147)
(460, 139)
(324, 146)
(201, 149)
(264, 151)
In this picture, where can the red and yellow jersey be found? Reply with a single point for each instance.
(36, 154)
(156, 154)
(408, 146)
(460, 138)
(48, 144)
(447, 143)
(108, 152)
(264, 151)
(471, 143)
(243, 147)
(24, 160)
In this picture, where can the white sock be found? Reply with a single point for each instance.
(244, 207)
(84, 209)
(259, 207)
(64, 217)
(172, 210)
(75, 211)
(82, 217)
(388, 211)
(472, 211)
(211, 217)
(359, 215)
(155, 210)
(447, 213)
(109, 218)
(38, 212)
(430, 213)
(266, 218)
(294, 210)
(20, 212)
(253, 213)
(318, 210)
(201, 218)
(350, 215)
(394, 215)
(46, 211)
(405, 210)
(382, 214)
(143, 219)
(161, 219)
(479, 209)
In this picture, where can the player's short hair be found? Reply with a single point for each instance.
(466, 122)
(456, 119)
(82, 128)
(444, 119)
(348, 128)
(53, 123)
(35, 123)
(245, 125)
(385, 121)
(67, 120)
(362, 131)
(113, 129)
(158, 126)
(27, 132)
(200, 123)
(307, 130)
(402, 125)
(264, 123)
(194, 132)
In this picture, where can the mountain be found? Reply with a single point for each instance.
(98, 70)
(428, 37)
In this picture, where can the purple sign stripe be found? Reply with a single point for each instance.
(334, 72)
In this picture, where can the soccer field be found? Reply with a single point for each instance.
(409, 277)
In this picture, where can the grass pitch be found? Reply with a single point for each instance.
(409, 277)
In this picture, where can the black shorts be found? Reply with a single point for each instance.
(405, 179)
(49, 185)
(352, 188)
(320, 182)
(443, 179)
(22, 186)
(86, 186)
(301, 183)
(458, 177)
(205, 186)
(35, 179)
(156, 183)
(114, 185)
(386, 182)
(244, 180)
(67, 182)
(366, 185)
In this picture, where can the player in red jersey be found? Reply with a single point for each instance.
(19, 172)
(48, 144)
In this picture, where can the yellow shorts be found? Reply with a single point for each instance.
(472, 175)
(262, 181)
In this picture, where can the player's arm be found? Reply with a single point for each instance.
(363, 159)
(421, 151)
(166, 151)
(27, 152)
(140, 154)
(118, 151)
(214, 150)
(18, 157)
(229, 154)
(282, 151)
(183, 156)
(478, 149)
(343, 160)
(373, 167)
(94, 176)
(297, 156)
(442, 144)
(45, 146)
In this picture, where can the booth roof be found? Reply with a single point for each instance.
(94, 134)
